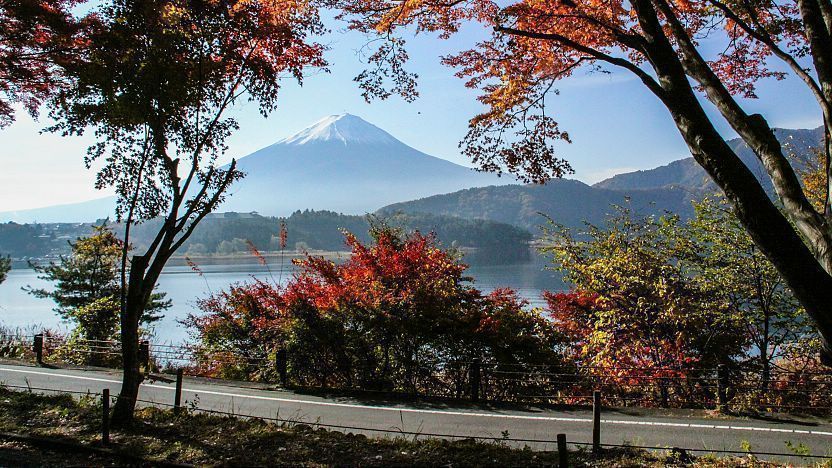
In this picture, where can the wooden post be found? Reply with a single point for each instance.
(177, 398)
(144, 356)
(596, 421)
(281, 363)
(563, 455)
(722, 383)
(105, 417)
(37, 347)
(475, 377)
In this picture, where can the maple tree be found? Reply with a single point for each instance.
(535, 43)
(35, 35)
(154, 84)
(388, 318)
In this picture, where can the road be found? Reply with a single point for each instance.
(636, 427)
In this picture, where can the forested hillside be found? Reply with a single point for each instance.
(38, 240)
(227, 233)
(567, 202)
(232, 233)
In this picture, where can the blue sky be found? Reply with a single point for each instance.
(615, 124)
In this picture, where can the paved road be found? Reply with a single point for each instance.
(690, 430)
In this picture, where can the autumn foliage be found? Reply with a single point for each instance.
(397, 315)
(665, 312)
(684, 53)
(154, 83)
(35, 35)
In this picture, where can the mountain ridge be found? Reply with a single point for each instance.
(344, 164)
(686, 172)
(565, 201)
(668, 188)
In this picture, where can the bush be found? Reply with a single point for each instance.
(399, 315)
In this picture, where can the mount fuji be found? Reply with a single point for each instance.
(341, 163)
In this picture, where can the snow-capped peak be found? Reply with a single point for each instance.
(346, 128)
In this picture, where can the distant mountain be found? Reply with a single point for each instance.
(341, 163)
(568, 202)
(87, 211)
(344, 164)
(688, 174)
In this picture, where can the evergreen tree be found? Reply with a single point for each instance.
(87, 290)
(5, 266)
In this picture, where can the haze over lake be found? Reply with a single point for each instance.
(184, 287)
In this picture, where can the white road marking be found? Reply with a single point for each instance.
(440, 412)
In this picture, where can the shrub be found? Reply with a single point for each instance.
(398, 315)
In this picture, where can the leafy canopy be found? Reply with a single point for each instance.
(36, 34)
(636, 305)
(536, 43)
(725, 261)
(158, 76)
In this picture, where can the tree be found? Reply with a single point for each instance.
(726, 262)
(635, 304)
(535, 43)
(813, 176)
(155, 84)
(672, 299)
(87, 291)
(5, 266)
(34, 35)
(637, 320)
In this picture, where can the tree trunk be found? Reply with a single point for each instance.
(131, 314)
(766, 375)
(769, 228)
(764, 355)
(767, 225)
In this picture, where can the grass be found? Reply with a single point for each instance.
(159, 436)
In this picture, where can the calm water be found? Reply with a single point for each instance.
(183, 286)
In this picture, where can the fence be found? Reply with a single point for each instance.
(477, 380)
(560, 442)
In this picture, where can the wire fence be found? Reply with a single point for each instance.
(733, 389)
(558, 442)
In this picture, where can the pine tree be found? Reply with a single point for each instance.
(87, 292)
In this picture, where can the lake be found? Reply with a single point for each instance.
(184, 287)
